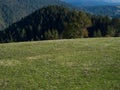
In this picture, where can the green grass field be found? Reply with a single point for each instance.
(80, 64)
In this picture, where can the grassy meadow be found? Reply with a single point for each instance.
(76, 64)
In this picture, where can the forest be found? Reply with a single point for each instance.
(58, 22)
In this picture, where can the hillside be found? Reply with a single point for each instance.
(13, 10)
(58, 22)
(81, 64)
(48, 20)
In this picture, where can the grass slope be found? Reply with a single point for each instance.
(81, 64)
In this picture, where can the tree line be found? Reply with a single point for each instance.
(58, 22)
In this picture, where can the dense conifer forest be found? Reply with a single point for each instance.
(58, 22)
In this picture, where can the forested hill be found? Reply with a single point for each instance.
(57, 22)
(13, 10)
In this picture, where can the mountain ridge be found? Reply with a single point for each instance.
(102, 7)
(111, 11)
(81, 3)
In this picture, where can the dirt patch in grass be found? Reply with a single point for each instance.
(9, 62)
(38, 57)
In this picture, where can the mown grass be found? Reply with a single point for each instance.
(81, 64)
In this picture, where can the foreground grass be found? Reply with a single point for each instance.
(81, 64)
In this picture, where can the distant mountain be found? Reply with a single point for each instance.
(13, 10)
(98, 7)
(113, 11)
(81, 3)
